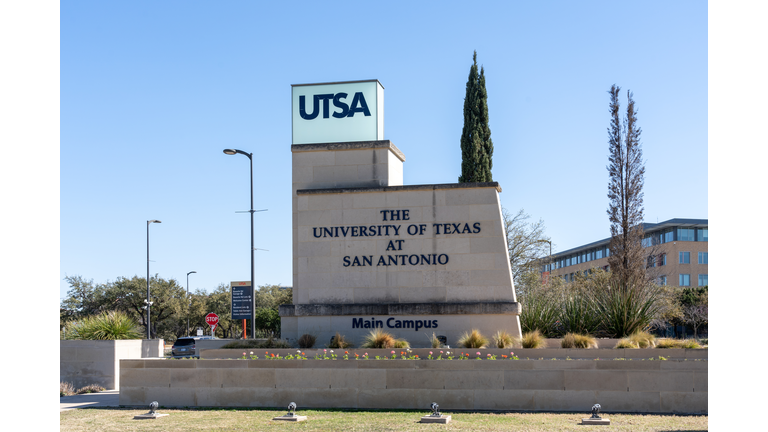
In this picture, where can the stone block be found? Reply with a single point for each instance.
(447, 399)
(558, 400)
(195, 377)
(700, 381)
(384, 399)
(534, 380)
(146, 377)
(504, 400)
(248, 378)
(677, 381)
(471, 197)
(416, 379)
(301, 378)
(475, 379)
(595, 380)
(684, 403)
(487, 245)
(628, 365)
(487, 212)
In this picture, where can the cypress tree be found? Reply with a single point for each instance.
(476, 144)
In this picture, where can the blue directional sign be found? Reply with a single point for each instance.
(242, 300)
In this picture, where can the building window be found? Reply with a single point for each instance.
(703, 259)
(668, 236)
(651, 261)
(685, 234)
(702, 234)
(662, 260)
(599, 254)
(702, 280)
(662, 280)
(685, 280)
(685, 257)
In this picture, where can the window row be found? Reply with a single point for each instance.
(676, 234)
(685, 258)
(685, 280)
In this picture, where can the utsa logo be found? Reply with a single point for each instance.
(358, 105)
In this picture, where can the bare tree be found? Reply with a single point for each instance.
(526, 242)
(696, 316)
(625, 191)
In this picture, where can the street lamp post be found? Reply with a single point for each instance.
(188, 302)
(253, 287)
(550, 255)
(149, 303)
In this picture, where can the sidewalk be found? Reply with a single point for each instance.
(108, 398)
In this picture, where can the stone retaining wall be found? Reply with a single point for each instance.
(672, 386)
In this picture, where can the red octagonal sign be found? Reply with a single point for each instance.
(212, 319)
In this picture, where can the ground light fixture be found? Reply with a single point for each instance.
(148, 303)
(595, 419)
(152, 414)
(436, 416)
(291, 415)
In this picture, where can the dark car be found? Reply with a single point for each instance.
(185, 346)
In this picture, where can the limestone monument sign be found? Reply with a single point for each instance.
(372, 253)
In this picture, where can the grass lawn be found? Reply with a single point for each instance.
(103, 419)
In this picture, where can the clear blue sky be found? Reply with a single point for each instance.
(151, 92)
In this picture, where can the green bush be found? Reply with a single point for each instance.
(579, 315)
(112, 325)
(626, 308)
(401, 343)
(539, 313)
(91, 388)
(574, 340)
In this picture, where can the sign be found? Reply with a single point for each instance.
(212, 320)
(337, 112)
(242, 300)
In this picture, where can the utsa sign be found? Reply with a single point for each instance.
(337, 112)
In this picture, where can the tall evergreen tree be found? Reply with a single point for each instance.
(625, 192)
(476, 144)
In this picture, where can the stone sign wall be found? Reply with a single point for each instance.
(412, 260)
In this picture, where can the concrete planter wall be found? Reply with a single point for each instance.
(672, 386)
(84, 362)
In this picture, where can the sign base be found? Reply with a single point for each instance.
(148, 416)
(435, 419)
(297, 418)
(592, 421)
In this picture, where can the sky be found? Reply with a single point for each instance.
(114, 113)
(152, 92)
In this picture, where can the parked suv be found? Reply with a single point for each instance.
(185, 346)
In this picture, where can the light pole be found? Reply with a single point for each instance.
(148, 303)
(550, 255)
(189, 303)
(253, 287)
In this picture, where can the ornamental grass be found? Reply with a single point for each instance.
(502, 339)
(643, 339)
(677, 343)
(533, 339)
(110, 325)
(307, 341)
(575, 340)
(378, 339)
(473, 339)
(340, 341)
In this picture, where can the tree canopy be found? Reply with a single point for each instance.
(476, 144)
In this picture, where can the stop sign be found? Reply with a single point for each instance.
(212, 319)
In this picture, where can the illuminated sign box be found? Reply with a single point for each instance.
(337, 112)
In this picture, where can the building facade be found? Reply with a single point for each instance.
(677, 254)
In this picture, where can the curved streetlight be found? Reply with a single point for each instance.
(189, 303)
(148, 303)
(253, 288)
(550, 255)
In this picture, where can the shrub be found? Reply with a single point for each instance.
(66, 389)
(502, 339)
(91, 388)
(533, 339)
(255, 343)
(579, 315)
(378, 339)
(401, 343)
(473, 339)
(339, 341)
(111, 325)
(307, 341)
(539, 313)
(678, 343)
(627, 308)
(434, 342)
(575, 340)
(643, 339)
(625, 343)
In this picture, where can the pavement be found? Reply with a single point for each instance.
(108, 398)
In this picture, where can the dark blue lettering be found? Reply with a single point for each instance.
(410, 259)
(327, 232)
(339, 104)
(368, 260)
(434, 323)
(346, 261)
(440, 259)
(357, 323)
(359, 99)
(477, 227)
(390, 325)
(314, 232)
(303, 111)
